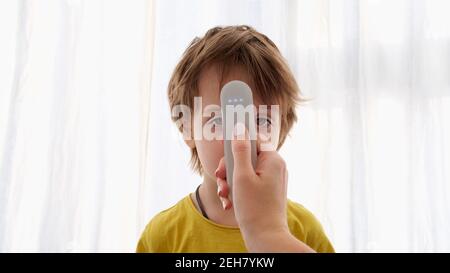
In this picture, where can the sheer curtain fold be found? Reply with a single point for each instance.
(74, 137)
(88, 152)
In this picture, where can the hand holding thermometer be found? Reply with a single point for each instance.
(237, 107)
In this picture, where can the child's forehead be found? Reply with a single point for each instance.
(212, 79)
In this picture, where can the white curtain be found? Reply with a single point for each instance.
(74, 91)
(88, 153)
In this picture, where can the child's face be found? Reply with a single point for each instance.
(211, 151)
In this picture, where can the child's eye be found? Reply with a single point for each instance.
(263, 121)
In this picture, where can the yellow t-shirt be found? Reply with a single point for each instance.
(182, 228)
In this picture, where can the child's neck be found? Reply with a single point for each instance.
(212, 204)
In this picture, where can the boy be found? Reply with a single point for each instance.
(204, 221)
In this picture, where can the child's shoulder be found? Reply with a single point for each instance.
(171, 214)
(301, 215)
(155, 237)
(307, 228)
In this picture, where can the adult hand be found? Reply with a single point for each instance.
(259, 197)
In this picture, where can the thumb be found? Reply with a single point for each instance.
(221, 169)
(241, 148)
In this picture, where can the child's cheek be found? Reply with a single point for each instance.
(210, 153)
(268, 139)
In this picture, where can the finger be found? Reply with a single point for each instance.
(226, 203)
(270, 161)
(221, 171)
(241, 149)
(261, 161)
(222, 188)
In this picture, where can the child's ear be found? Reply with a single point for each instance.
(190, 143)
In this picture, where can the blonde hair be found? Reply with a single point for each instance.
(237, 45)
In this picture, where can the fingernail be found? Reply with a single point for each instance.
(224, 204)
(239, 129)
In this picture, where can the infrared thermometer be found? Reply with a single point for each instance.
(237, 106)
